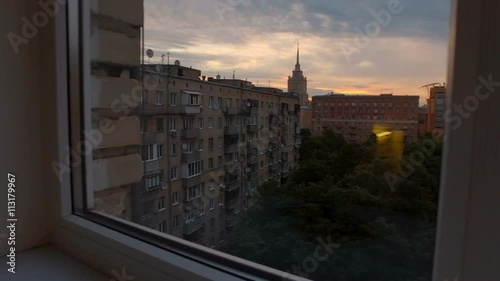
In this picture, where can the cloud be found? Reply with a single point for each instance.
(257, 38)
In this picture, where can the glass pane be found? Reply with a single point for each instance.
(327, 185)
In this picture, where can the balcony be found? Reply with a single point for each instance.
(190, 157)
(150, 220)
(231, 148)
(192, 203)
(245, 111)
(146, 109)
(284, 168)
(152, 165)
(192, 226)
(252, 150)
(190, 133)
(185, 109)
(232, 220)
(252, 159)
(233, 167)
(252, 128)
(153, 138)
(187, 182)
(232, 204)
(287, 148)
(233, 185)
(231, 130)
(273, 168)
(230, 111)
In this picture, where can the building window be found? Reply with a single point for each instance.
(210, 101)
(212, 226)
(212, 203)
(153, 181)
(174, 149)
(221, 237)
(194, 99)
(175, 198)
(219, 140)
(220, 123)
(159, 97)
(201, 209)
(159, 125)
(188, 123)
(200, 122)
(162, 227)
(210, 122)
(173, 99)
(173, 124)
(159, 151)
(151, 152)
(219, 161)
(161, 203)
(211, 144)
(175, 221)
(173, 173)
(190, 215)
(200, 145)
(194, 192)
(210, 163)
(195, 169)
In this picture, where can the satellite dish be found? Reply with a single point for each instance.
(150, 53)
(158, 68)
(249, 104)
(216, 106)
(184, 146)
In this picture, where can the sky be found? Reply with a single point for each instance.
(346, 46)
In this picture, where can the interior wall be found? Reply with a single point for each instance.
(27, 79)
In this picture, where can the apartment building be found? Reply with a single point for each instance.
(422, 121)
(435, 110)
(356, 117)
(207, 144)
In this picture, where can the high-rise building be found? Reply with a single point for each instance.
(422, 121)
(207, 144)
(357, 117)
(435, 110)
(297, 83)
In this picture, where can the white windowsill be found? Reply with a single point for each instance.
(107, 250)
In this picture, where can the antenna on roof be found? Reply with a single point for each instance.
(234, 74)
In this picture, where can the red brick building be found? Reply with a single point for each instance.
(356, 117)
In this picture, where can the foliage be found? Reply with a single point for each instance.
(340, 193)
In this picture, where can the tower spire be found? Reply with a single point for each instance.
(297, 66)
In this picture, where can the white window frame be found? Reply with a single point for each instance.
(173, 99)
(174, 173)
(161, 204)
(159, 97)
(175, 198)
(463, 218)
